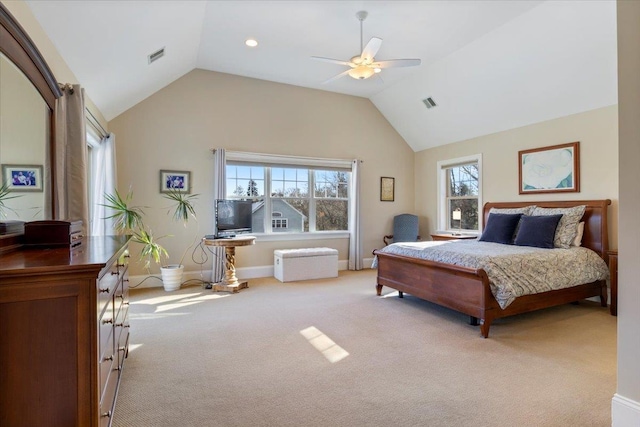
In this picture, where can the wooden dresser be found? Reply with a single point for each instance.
(64, 333)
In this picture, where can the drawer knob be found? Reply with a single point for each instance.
(104, 290)
(106, 414)
(105, 321)
(127, 326)
(120, 265)
(123, 348)
(108, 358)
(118, 325)
(114, 273)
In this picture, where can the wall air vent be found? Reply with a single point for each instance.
(429, 102)
(156, 55)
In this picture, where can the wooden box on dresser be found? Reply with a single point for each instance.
(64, 333)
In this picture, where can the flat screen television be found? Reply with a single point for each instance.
(232, 217)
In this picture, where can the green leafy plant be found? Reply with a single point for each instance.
(130, 220)
(5, 194)
(151, 249)
(183, 208)
(126, 219)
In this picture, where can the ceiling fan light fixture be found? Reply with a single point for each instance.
(251, 42)
(361, 72)
(377, 70)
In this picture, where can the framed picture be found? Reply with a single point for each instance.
(22, 177)
(387, 189)
(553, 169)
(175, 181)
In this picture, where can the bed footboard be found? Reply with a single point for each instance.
(462, 289)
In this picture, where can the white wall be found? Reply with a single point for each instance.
(626, 402)
(596, 131)
(177, 127)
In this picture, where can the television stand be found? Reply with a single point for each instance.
(230, 282)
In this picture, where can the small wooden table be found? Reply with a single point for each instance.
(230, 282)
(450, 236)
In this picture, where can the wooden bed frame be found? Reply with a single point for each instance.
(467, 290)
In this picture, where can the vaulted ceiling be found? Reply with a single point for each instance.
(488, 65)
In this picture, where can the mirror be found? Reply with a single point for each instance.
(24, 131)
(28, 92)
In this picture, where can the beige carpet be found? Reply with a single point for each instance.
(200, 358)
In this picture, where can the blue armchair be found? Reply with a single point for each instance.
(405, 229)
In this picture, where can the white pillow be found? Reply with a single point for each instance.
(578, 240)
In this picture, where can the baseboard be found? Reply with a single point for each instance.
(624, 412)
(151, 281)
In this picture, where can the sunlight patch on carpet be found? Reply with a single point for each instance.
(390, 294)
(325, 345)
(164, 298)
(134, 347)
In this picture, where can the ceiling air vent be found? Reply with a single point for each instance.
(429, 102)
(156, 55)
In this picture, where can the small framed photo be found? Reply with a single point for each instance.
(22, 177)
(553, 169)
(175, 181)
(387, 189)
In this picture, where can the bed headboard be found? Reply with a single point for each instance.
(596, 231)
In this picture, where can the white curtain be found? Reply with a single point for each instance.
(104, 169)
(355, 237)
(219, 192)
(71, 195)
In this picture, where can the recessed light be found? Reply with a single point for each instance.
(251, 42)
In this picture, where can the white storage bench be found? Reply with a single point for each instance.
(303, 264)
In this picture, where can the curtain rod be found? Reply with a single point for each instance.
(95, 123)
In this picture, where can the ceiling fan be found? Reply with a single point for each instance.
(364, 65)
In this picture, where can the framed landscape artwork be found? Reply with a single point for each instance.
(22, 177)
(553, 169)
(175, 181)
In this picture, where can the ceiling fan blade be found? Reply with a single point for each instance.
(394, 63)
(332, 61)
(344, 73)
(371, 49)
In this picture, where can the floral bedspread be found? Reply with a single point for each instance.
(513, 271)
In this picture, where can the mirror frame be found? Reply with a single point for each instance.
(16, 45)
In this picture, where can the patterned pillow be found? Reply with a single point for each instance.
(568, 226)
(525, 210)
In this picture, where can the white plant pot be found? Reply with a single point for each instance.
(172, 276)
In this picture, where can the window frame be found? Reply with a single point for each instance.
(442, 180)
(269, 161)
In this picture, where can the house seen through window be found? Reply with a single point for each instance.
(291, 199)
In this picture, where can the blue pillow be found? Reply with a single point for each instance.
(538, 231)
(500, 228)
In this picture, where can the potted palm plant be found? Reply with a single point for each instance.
(5, 194)
(129, 220)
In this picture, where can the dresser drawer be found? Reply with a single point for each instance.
(107, 363)
(107, 286)
(123, 348)
(108, 398)
(105, 329)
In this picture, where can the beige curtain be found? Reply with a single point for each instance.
(219, 192)
(70, 153)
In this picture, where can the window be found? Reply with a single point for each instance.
(291, 198)
(460, 194)
(279, 223)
